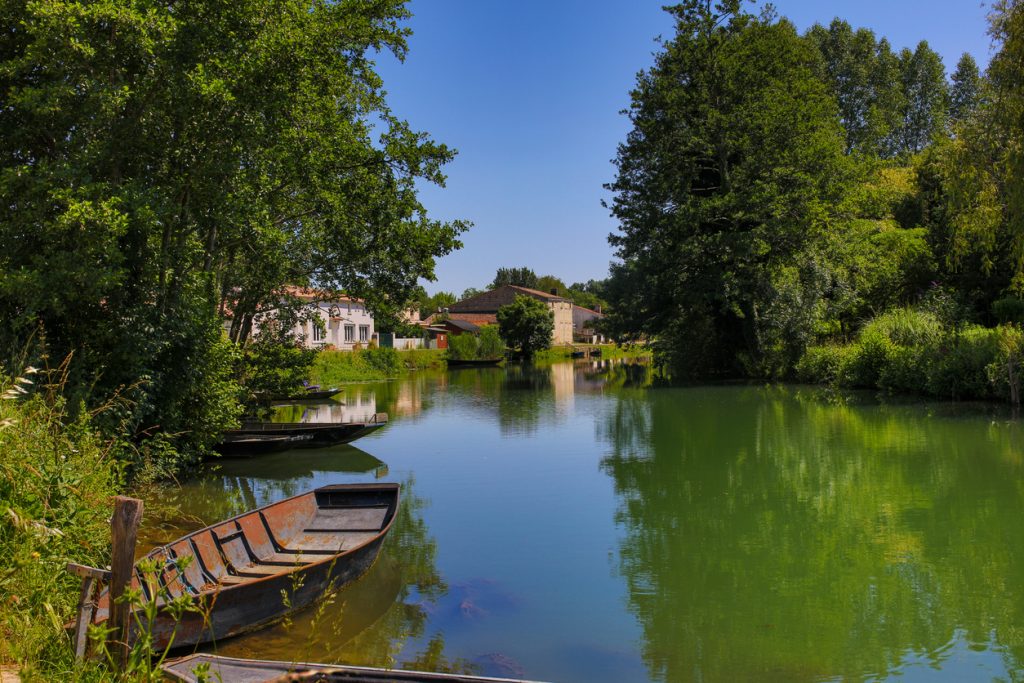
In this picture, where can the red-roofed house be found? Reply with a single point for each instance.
(482, 309)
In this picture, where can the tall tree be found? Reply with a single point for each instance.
(965, 89)
(520, 277)
(927, 98)
(724, 184)
(161, 165)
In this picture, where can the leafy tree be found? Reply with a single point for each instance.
(965, 89)
(520, 277)
(926, 98)
(724, 187)
(526, 325)
(161, 168)
(547, 283)
(470, 292)
(433, 304)
(862, 72)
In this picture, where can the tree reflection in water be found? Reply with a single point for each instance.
(774, 537)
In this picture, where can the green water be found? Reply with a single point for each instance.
(568, 524)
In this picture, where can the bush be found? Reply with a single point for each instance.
(463, 347)
(959, 368)
(824, 364)
(384, 360)
(491, 344)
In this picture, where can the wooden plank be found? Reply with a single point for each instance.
(87, 572)
(124, 528)
(86, 608)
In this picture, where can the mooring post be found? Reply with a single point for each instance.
(124, 527)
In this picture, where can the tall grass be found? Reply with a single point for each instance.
(56, 482)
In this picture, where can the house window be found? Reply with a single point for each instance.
(318, 332)
(350, 333)
(364, 333)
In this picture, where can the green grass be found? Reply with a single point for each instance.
(331, 368)
(56, 484)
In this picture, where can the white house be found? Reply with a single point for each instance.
(345, 321)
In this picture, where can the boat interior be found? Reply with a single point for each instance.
(276, 539)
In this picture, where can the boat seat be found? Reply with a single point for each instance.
(229, 580)
(341, 519)
(262, 570)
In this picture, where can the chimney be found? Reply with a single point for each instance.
(554, 291)
(599, 308)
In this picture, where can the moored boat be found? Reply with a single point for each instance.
(254, 569)
(474, 363)
(242, 445)
(312, 434)
(234, 670)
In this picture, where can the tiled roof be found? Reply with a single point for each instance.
(474, 318)
(588, 310)
(491, 301)
(309, 294)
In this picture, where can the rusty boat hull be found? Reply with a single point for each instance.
(254, 569)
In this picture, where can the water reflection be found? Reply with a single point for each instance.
(774, 537)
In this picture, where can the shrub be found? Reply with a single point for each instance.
(491, 344)
(384, 360)
(959, 368)
(463, 347)
(824, 364)
(905, 327)
(1009, 310)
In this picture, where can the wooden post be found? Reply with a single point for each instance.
(124, 527)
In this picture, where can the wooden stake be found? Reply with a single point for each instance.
(124, 527)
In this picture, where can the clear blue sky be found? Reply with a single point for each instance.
(529, 93)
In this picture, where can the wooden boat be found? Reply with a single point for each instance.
(238, 572)
(241, 445)
(233, 670)
(313, 434)
(474, 363)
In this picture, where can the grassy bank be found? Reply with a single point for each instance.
(912, 351)
(608, 351)
(56, 484)
(331, 368)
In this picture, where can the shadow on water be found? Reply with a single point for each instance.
(773, 536)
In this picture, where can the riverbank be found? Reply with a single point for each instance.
(607, 351)
(331, 368)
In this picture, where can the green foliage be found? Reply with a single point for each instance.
(965, 89)
(491, 344)
(725, 185)
(271, 368)
(331, 368)
(56, 480)
(430, 305)
(520, 277)
(546, 283)
(173, 166)
(1009, 309)
(463, 347)
(526, 325)
(913, 351)
(485, 345)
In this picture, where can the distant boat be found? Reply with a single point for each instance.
(256, 568)
(474, 363)
(233, 670)
(310, 434)
(235, 445)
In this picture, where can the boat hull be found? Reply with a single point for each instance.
(312, 434)
(254, 569)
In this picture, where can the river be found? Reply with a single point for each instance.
(569, 523)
